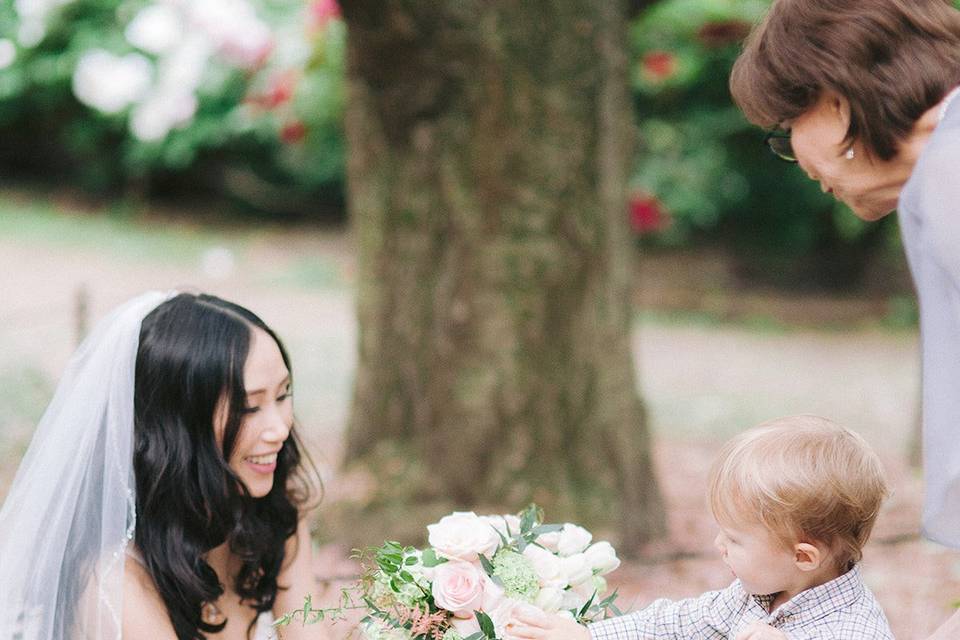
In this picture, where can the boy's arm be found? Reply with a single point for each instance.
(712, 616)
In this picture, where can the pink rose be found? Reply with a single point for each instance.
(458, 588)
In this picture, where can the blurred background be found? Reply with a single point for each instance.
(203, 146)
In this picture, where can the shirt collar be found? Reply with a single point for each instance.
(946, 102)
(839, 593)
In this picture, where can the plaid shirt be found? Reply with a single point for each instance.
(842, 609)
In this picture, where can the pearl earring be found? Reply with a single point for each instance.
(850, 155)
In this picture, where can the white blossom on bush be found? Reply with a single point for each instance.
(33, 15)
(111, 83)
(155, 29)
(184, 38)
(8, 52)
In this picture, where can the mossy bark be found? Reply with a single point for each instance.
(489, 146)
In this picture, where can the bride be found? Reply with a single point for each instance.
(162, 496)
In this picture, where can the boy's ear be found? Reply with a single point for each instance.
(808, 557)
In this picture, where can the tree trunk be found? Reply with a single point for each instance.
(489, 146)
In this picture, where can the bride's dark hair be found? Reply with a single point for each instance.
(189, 372)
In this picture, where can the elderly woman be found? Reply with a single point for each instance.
(861, 94)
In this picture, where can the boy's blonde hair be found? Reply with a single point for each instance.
(806, 479)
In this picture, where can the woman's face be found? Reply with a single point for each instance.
(870, 187)
(268, 416)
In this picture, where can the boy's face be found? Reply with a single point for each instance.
(763, 563)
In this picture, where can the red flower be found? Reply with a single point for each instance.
(293, 131)
(322, 12)
(281, 89)
(647, 214)
(659, 65)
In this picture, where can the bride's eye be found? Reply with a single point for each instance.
(248, 410)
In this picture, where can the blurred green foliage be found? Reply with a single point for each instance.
(267, 133)
(270, 134)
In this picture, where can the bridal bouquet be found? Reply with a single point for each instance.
(476, 571)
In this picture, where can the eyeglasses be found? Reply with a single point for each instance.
(779, 143)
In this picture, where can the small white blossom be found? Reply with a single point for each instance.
(111, 83)
(8, 52)
(156, 29)
(156, 116)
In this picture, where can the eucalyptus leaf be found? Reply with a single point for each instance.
(486, 625)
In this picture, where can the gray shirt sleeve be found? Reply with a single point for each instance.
(708, 617)
(930, 226)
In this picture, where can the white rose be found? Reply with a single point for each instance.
(549, 540)
(587, 588)
(573, 539)
(571, 600)
(602, 558)
(463, 535)
(508, 525)
(546, 565)
(575, 569)
(549, 599)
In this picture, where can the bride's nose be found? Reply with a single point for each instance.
(277, 428)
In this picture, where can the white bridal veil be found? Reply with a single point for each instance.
(70, 512)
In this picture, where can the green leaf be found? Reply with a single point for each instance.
(283, 620)
(410, 561)
(528, 519)
(587, 605)
(546, 528)
(406, 576)
(486, 625)
(430, 558)
(608, 601)
(503, 540)
(486, 564)
(475, 636)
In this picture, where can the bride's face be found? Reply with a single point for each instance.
(268, 418)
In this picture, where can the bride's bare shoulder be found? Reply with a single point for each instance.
(144, 614)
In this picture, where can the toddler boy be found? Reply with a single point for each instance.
(795, 500)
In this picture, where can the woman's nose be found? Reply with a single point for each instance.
(277, 429)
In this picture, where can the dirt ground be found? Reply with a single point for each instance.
(704, 379)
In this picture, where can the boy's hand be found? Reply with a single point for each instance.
(760, 631)
(531, 624)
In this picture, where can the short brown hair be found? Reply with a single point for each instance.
(891, 59)
(804, 478)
